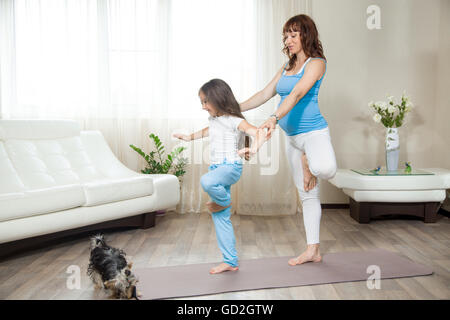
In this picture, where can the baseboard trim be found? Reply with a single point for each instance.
(335, 206)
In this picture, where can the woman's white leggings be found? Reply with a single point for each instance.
(322, 164)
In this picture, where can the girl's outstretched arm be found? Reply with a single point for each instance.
(193, 136)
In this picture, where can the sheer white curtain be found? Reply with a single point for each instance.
(85, 59)
(132, 67)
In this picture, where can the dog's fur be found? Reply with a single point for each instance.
(109, 269)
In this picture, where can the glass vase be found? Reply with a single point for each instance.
(392, 149)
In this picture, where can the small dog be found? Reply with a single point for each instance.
(109, 269)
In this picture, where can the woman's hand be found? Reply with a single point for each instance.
(270, 124)
(184, 137)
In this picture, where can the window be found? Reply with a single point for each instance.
(128, 58)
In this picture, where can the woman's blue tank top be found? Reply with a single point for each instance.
(305, 116)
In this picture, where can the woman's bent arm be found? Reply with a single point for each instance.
(313, 72)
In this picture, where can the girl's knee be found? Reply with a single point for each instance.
(206, 183)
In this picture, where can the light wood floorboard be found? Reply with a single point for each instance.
(190, 239)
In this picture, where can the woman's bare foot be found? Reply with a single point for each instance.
(222, 268)
(214, 207)
(309, 180)
(312, 254)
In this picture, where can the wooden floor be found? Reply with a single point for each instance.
(183, 239)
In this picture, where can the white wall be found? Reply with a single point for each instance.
(441, 146)
(410, 52)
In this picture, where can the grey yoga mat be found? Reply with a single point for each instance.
(194, 279)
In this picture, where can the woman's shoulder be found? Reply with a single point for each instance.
(316, 63)
(321, 58)
(317, 67)
(317, 60)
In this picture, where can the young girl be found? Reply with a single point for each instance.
(226, 124)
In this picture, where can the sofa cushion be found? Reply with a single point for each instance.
(9, 180)
(17, 205)
(47, 163)
(112, 190)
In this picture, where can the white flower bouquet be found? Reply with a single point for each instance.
(390, 114)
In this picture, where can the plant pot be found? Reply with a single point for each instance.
(392, 149)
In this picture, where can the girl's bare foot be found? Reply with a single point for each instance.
(222, 268)
(312, 254)
(309, 180)
(214, 207)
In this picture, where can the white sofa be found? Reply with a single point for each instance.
(55, 177)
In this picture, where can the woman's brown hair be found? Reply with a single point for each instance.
(219, 94)
(309, 38)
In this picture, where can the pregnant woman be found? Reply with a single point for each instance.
(308, 143)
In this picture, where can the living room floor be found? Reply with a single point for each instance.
(190, 238)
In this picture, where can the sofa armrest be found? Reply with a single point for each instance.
(102, 156)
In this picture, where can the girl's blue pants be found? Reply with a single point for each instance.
(217, 183)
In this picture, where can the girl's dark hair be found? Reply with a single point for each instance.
(219, 94)
(309, 38)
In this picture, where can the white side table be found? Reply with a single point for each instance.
(418, 194)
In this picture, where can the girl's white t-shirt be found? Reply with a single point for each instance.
(225, 139)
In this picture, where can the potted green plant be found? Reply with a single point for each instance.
(159, 163)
